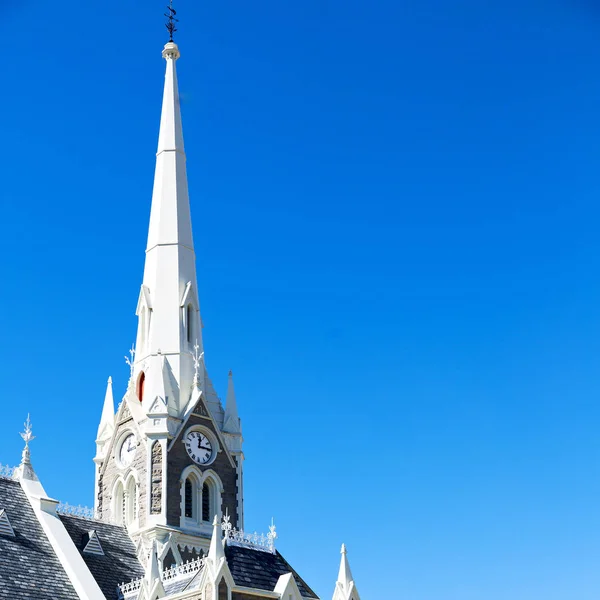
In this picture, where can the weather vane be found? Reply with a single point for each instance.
(170, 25)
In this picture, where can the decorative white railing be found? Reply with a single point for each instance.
(7, 472)
(75, 511)
(128, 588)
(238, 537)
(188, 568)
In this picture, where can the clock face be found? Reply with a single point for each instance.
(198, 446)
(127, 451)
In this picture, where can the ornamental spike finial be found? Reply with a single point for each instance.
(226, 525)
(272, 536)
(130, 360)
(25, 470)
(27, 436)
(197, 362)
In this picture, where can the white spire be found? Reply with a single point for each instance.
(107, 421)
(152, 568)
(216, 551)
(170, 221)
(168, 309)
(231, 422)
(345, 574)
(344, 587)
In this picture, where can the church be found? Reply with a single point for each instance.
(168, 515)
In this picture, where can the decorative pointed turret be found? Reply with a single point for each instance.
(231, 422)
(216, 551)
(344, 587)
(168, 309)
(107, 421)
(153, 568)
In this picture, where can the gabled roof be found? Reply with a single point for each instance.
(261, 570)
(29, 568)
(119, 562)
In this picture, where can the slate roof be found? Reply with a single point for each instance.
(29, 568)
(178, 585)
(119, 563)
(261, 570)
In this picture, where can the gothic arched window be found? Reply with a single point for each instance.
(200, 497)
(191, 501)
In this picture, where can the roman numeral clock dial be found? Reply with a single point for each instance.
(198, 446)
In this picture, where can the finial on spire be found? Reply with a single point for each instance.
(171, 20)
(131, 361)
(25, 470)
(27, 436)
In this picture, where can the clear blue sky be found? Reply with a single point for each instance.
(396, 214)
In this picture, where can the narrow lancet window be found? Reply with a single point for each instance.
(206, 502)
(189, 499)
(143, 328)
(189, 320)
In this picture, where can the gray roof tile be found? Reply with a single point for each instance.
(261, 570)
(29, 568)
(119, 563)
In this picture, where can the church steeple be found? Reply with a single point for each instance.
(168, 310)
(170, 464)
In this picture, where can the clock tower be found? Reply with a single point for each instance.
(170, 458)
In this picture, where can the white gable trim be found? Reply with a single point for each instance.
(143, 300)
(67, 553)
(189, 296)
